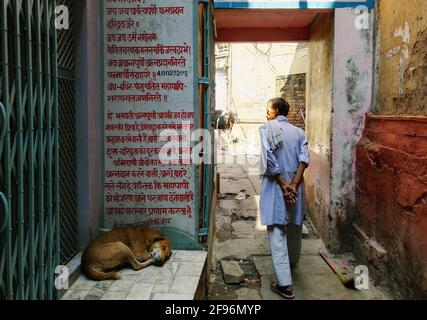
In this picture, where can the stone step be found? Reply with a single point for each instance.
(181, 278)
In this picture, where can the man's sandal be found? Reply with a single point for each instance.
(285, 292)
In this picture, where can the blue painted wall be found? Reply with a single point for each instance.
(291, 4)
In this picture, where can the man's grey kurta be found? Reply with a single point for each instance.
(284, 160)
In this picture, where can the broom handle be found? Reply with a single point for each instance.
(328, 262)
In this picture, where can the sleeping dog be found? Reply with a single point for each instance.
(133, 246)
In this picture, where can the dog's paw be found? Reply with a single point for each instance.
(116, 276)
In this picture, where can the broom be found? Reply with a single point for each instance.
(345, 280)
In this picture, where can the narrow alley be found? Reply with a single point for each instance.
(134, 135)
(241, 264)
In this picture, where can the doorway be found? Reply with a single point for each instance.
(267, 53)
(330, 117)
(338, 94)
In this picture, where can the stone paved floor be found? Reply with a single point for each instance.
(178, 279)
(240, 238)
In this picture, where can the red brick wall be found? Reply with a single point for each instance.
(292, 89)
(391, 194)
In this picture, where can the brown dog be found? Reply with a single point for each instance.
(133, 246)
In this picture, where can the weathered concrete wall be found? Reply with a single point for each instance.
(292, 88)
(402, 87)
(391, 225)
(252, 76)
(352, 99)
(319, 106)
(392, 202)
(246, 80)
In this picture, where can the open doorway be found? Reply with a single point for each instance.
(247, 76)
(267, 53)
(262, 54)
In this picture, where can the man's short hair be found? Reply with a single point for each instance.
(281, 105)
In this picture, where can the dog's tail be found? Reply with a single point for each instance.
(93, 273)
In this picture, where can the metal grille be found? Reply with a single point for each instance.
(208, 106)
(69, 242)
(30, 208)
(67, 137)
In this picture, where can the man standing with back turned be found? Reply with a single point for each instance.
(284, 158)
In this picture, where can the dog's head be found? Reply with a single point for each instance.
(158, 245)
(160, 251)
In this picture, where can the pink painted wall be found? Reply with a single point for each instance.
(352, 99)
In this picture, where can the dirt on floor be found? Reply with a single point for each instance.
(240, 238)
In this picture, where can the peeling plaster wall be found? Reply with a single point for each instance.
(319, 106)
(391, 162)
(391, 189)
(352, 99)
(403, 58)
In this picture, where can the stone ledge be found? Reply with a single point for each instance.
(181, 278)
